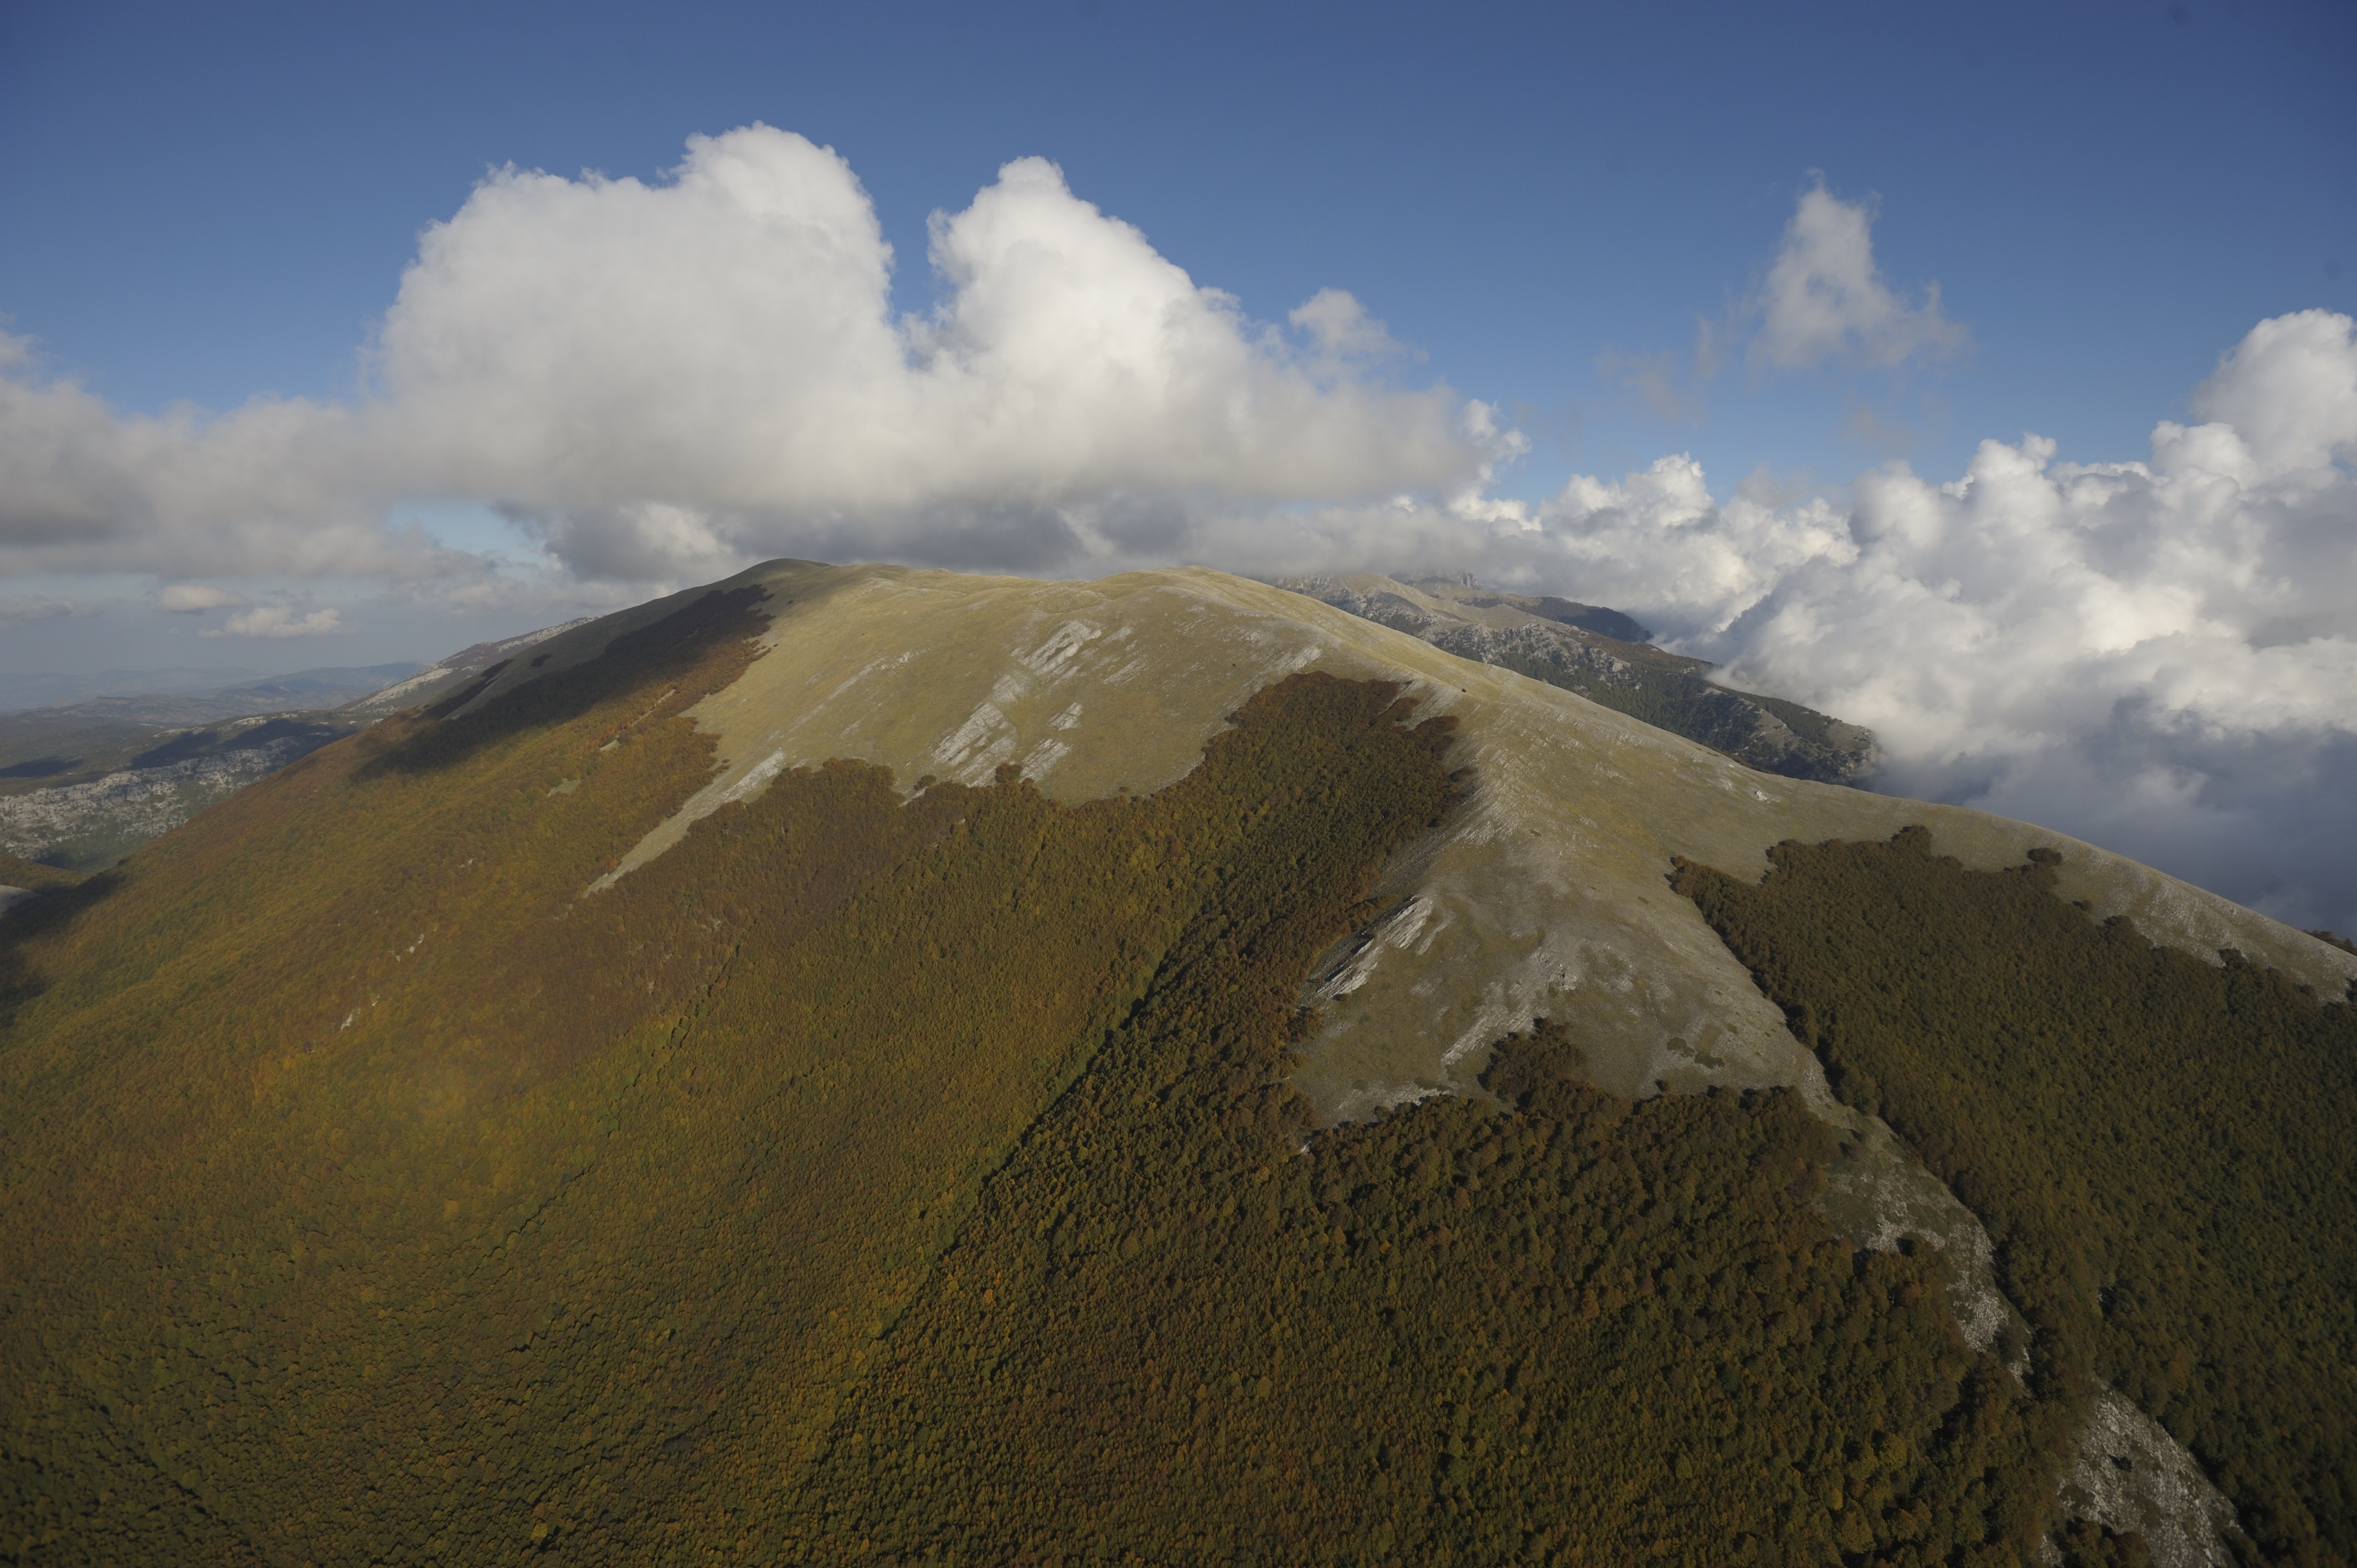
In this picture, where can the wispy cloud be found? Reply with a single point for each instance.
(34, 608)
(1825, 301)
(1871, 427)
(1654, 378)
(1821, 301)
(279, 620)
(193, 598)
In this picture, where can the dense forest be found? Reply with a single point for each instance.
(2160, 1148)
(1563, 1328)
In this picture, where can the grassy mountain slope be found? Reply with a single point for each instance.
(33, 875)
(1543, 897)
(419, 687)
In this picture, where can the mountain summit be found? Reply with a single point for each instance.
(858, 1064)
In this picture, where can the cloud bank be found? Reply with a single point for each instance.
(661, 381)
(664, 380)
(30, 607)
(2158, 655)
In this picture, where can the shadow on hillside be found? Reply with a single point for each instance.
(669, 648)
(52, 910)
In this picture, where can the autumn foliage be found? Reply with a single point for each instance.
(2160, 1148)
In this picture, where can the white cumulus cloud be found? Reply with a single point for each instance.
(1826, 300)
(660, 381)
(190, 599)
(280, 620)
(666, 380)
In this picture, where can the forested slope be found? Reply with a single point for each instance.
(2161, 1147)
(1571, 1330)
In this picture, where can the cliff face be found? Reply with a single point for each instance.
(1606, 657)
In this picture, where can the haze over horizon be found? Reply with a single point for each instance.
(1906, 368)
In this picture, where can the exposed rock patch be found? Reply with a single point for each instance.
(2131, 1476)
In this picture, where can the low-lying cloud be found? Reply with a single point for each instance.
(661, 381)
(33, 608)
(2159, 656)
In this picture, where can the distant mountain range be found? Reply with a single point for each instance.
(1608, 657)
(82, 782)
(246, 691)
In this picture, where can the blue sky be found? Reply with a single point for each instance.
(204, 203)
(1983, 374)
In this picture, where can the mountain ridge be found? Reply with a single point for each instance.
(1609, 658)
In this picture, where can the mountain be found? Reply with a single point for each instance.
(858, 1064)
(1608, 657)
(415, 686)
(50, 688)
(81, 783)
(175, 699)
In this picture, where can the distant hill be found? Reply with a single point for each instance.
(50, 688)
(1608, 657)
(71, 742)
(82, 783)
(94, 815)
(416, 685)
(169, 697)
(862, 1065)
